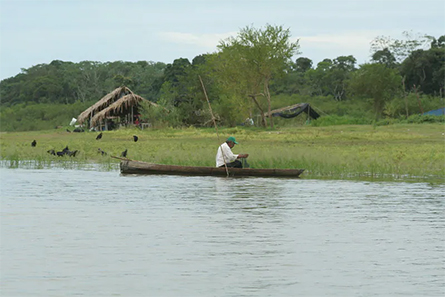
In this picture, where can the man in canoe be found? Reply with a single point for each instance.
(224, 156)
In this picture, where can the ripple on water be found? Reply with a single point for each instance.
(70, 232)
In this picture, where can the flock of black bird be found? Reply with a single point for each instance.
(67, 152)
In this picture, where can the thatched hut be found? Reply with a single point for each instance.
(124, 108)
(104, 102)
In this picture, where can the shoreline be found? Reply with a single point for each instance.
(398, 152)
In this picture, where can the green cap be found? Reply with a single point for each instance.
(231, 138)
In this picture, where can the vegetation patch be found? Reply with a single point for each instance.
(396, 152)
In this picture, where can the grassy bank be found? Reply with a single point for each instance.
(395, 152)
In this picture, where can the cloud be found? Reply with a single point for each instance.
(356, 43)
(317, 47)
(208, 41)
(349, 40)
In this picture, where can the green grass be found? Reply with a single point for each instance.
(395, 152)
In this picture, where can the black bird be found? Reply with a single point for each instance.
(72, 154)
(135, 138)
(99, 136)
(65, 151)
(124, 153)
(33, 143)
(52, 152)
(99, 150)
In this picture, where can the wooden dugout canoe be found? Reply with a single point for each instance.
(138, 167)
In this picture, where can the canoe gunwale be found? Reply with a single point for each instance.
(138, 167)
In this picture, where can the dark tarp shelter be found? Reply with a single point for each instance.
(293, 111)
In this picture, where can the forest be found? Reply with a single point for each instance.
(246, 77)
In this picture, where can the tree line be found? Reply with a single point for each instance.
(249, 74)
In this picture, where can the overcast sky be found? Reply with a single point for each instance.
(39, 31)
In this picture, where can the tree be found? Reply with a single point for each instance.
(384, 57)
(226, 90)
(400, 48)
(319, 77)
(145, 77)
(178, 68)
(90, 80)
(329, 78)
(303, 64)
(199, 60)
(375, 81)
(424, 69)
(67, 82)
(345, 63)
(258, 55)
(340, 71)
(181, 91)
(438, 43)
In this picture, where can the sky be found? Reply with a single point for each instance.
(39, 31)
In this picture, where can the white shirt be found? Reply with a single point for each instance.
(228, 155)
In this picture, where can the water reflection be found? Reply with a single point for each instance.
(74, 232)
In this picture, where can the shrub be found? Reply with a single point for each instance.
(398, 107)
(34, 117)
(418, 119)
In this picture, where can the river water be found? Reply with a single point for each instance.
(97, 233)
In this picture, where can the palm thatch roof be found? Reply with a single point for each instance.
(105, 101)
(119, 107)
